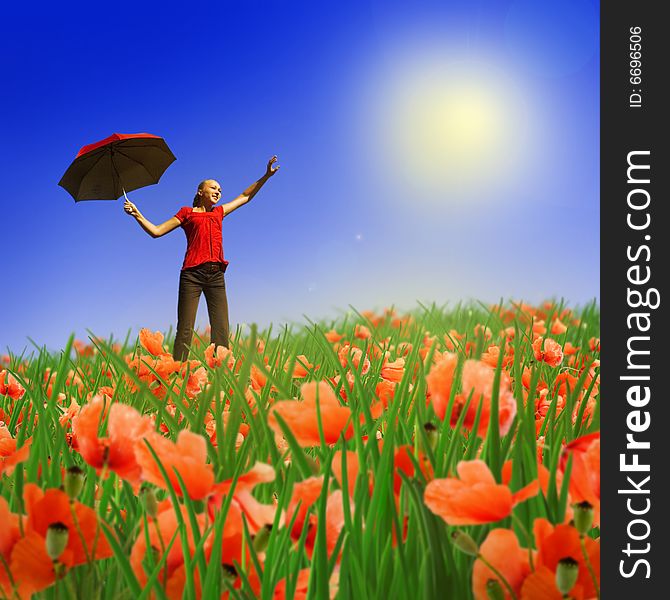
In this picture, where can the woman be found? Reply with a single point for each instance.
(204, 264)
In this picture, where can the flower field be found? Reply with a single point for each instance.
(434, 454)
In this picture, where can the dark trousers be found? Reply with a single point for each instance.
(207, 278)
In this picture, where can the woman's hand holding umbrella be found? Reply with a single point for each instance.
(153, 230)
(131, 209)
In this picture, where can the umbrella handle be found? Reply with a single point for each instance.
(124, 193)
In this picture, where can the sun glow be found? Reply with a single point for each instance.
(453, 132)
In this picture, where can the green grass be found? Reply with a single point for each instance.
(374, 562)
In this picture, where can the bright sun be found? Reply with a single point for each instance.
(452, 131)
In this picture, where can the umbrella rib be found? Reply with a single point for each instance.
(158, 143)
(141, 146)
(115, 171)
(134, 160)
(102, 155)
(165, 151)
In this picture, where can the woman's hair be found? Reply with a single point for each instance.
(196, 199)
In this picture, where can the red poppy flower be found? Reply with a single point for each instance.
(500, 549)
(256, 514)
(352, 469)
(222, 356)
(86, 541)
(585, 473)
(402, 462)
(9, 386)
(394, 371)
(301, 585)
(188, 457)
(355, 355)
(160, 531)
(548, 351)
(302, 416)
(475, 498)
(152, 342)
(9, 536)
(334, 523)
(10, 455)
(476, 380)
(555, 543)
(305, 494)
(125, 427)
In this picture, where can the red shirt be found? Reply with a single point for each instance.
(204, 240)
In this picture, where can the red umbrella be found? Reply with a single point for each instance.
(107, 169)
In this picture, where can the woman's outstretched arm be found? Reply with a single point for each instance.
(253, 189)
(154, 231)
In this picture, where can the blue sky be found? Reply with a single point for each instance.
(431, 151)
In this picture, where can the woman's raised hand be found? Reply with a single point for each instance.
(271, 170)
(131, 209)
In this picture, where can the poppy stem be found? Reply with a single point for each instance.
(589, 566)
(79, 532)
(499, 575)
(9, 576)
(67, 581)
(160, 539)
(60, 572)
(102, 477)
(529, 541)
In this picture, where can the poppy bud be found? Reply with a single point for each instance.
(262, 538)
(494, 590)
(56, 540)
(567, 571)
(432, 435)
(74, 482)
(198, 506)
(465, 543)
(583, 517)
(148, 496)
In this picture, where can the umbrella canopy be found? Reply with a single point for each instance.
(107, 169)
